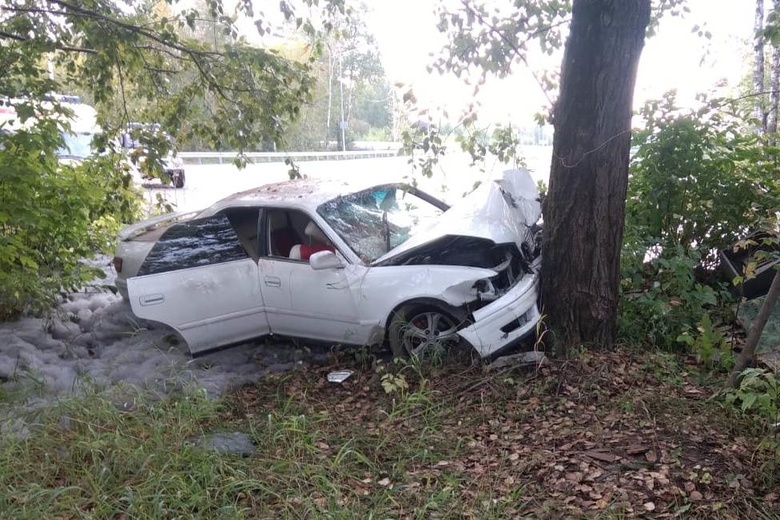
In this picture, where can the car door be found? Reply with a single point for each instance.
(201, 278)
(302, 302)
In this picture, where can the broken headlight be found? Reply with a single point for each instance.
(486, 292)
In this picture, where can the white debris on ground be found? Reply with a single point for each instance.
(93, 342)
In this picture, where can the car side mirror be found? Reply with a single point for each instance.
(325, 260)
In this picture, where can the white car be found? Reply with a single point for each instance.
(334, 261)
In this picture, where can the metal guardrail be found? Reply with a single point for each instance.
(262, 157)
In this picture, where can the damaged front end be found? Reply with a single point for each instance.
(508, 262)
(497, 228)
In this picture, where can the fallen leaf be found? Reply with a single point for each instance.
(650, 456)
(600, 455)
(636, 449)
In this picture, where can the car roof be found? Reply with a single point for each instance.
(304, 193)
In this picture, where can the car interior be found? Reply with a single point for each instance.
(245, 223)
(293, 235)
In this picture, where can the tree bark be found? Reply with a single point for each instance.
(585, 205)
(758, 70)
(774, 99)
(749, 351)
(774, 86)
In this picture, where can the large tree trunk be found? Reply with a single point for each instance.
(758, 70)
(585, 206)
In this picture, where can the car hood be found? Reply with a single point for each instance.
(501, 211)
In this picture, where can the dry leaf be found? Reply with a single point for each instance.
(600, 455)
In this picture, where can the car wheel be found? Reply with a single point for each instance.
(416, 330)
(178, 179)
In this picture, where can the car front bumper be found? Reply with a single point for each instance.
(507, 320)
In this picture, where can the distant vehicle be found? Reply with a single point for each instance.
(76, 142)
(172, 165)
(356, 263)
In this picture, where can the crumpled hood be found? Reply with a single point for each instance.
(501, 210)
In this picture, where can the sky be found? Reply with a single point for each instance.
(673, 59)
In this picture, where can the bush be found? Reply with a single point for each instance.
(697, 183)
(53, 216)
(663, 304)
(698, 180)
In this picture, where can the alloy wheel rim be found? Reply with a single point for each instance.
(427, 330)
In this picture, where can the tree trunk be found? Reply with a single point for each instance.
(585, 205)
(749, 351)
(774, 81)
(330, 98)
(774, 99)
(758, 70)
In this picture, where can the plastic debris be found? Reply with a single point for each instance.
(339, 376)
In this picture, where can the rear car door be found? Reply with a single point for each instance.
(201, 278)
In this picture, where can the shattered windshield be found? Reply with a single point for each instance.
(376, 220)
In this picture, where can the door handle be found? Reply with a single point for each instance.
(152, 299)
(273, 281)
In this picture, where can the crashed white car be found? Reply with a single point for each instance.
(336, 262)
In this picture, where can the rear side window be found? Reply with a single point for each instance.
(207, 241)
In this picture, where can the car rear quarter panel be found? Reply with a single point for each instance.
(132, 253)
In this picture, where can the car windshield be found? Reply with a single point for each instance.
(376, 220)
(75, 145)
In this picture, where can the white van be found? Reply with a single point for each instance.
(77, 142)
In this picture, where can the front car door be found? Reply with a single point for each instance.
(201, 278)
(302, 302)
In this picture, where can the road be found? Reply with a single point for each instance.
(452, 178)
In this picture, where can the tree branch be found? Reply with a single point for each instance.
(56, 46)
(494, 30)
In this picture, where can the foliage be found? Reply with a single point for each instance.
(424, 144)
(709, 344)
(698, 183)
(698, 180)
(53, 216)
(350, 84)
(758, 396)
(502, 143)
(137, 61)
(663, 303)
(141, 49)
(489, 38)
(759, 393)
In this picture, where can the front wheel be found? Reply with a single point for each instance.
(419, 329)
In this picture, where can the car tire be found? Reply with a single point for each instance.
(178, 179)
(416, 330)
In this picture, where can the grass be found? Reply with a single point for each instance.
(608, 435)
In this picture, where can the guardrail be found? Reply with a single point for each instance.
(262, 157)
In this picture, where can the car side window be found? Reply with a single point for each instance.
(211, 240)
(293, 235)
